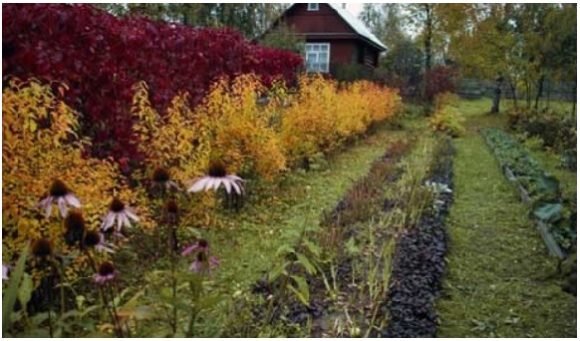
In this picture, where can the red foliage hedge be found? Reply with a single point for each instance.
(100, 56)
(439, 80)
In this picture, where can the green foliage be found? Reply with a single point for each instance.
(284, 38)
(447, 118)
(555, 129)
(544, 189)
(14, 290)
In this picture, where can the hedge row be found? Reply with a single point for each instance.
(100, 57)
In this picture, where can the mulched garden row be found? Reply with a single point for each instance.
(419, 263)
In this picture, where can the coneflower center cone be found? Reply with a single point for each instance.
(42, 248)
(74, 221)
(117, 205)
(58, 189)
(161, 175)
(106, 268)
(172, 207)
(217, 169)
(92, 238)
(202, 243)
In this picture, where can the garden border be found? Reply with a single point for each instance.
(553, 247)
(419, 263)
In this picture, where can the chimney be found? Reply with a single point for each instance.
(344, 6)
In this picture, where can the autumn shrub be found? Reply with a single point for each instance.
(309, 124)
(440, 79)
(557, 130)
(40, 145)
(100, 57)
(447, 118)
(323, 116)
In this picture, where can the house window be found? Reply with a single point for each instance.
(313, 7)
(317, 57)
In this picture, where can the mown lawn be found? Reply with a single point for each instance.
(498, 274)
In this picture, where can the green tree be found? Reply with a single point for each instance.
(283, 37)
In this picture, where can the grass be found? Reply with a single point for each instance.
(498, 279)
(247, 245)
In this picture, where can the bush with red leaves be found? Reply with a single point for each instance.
(439, 80)
(100, 57)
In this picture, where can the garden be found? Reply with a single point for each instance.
(175, 179)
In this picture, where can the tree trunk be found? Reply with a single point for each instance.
(514, 93)
(575, 99)
(496, 95)
(548, 93)
(427, 47)
(540, 91)
(528, 94)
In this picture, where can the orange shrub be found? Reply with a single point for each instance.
(40, 145)
(241, 130)
(323, 116)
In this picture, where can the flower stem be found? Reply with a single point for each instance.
(115, 314)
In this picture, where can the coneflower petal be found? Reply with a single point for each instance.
(131, 214)
(62, 207)
(209, 183)
(125, 218)
(228, 186)
(189, 249)
(104, 248)
(108, 221)
(236, 187)
(195, 266)
(171, 184)
(119, 221)
(72, 200)
(46, 204)
(217, 183)
(198, 185)
(235, 177)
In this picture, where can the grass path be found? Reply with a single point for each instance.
(247, 245)
(497, 264)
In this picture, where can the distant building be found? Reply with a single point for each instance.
(333, 36)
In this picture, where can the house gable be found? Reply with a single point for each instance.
(323, 21)
(329, 21)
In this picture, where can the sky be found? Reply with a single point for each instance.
(354, 8)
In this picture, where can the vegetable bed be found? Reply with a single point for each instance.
(554, 214)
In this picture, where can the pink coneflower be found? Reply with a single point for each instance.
(97, 240)
(74, 225)
(42, 248)
(217, 176)
(105, 273)
(63, 197)
(199, 246)
(162, 178)
(202, 262)
(4, 272)
(120, 213)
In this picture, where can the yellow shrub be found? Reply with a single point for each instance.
(178, 141)
(323, 116)
(40, 145)
(309, 124)
(242, 135)
(446, 117)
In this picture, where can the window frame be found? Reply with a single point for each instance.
(312, 7)
(318, 52)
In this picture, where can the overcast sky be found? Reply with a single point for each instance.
(354, 8)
